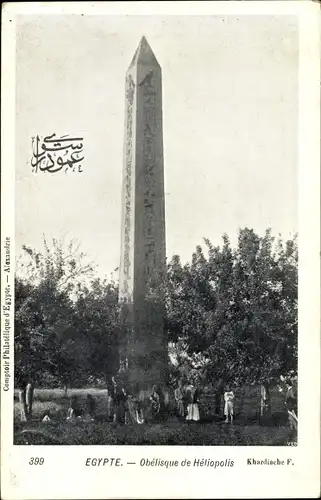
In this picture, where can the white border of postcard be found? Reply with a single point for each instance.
(64, 473)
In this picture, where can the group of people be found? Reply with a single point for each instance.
(187, 403)
(125, 408)
(75, 411)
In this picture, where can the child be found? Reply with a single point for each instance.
(229, 405)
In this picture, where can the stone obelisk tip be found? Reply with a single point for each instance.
(144, 54)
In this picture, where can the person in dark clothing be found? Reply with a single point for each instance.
(161, 399)
(179, 400)
(119, 399)
(90, 406)
(192, 403)
(154, 404)
(121, 406)
(73, 410)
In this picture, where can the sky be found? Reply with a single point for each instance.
(230, 120)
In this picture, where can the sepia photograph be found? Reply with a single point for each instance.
(156, 230)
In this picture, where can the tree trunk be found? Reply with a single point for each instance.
(265, 403)
(23, 405)
(29, 399)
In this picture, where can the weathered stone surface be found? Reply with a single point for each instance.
(142, 268)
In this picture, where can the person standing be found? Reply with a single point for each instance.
(179, 395)
(121, 406)
(154, 404)
(161, 399)
(229, 405)
(110, 401)
(134, 413)
(192, 404)
(73, 410)
(90, 406)
(291, 403)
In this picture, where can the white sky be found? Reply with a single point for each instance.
(230, 117)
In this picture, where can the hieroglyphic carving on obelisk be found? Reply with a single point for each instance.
(143, 340)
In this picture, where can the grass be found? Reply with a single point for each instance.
(246, 430)
(171, 433)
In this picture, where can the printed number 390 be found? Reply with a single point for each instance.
(36, 461)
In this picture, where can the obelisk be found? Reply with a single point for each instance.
(143, 346)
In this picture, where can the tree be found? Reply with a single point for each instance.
(231, 315)
(98, 320)
(59, 263)
(47, 344)
(184, 366)
(238, 308)
(266, 296)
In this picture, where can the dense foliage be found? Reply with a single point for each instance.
(66, 320)
(231, 314)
